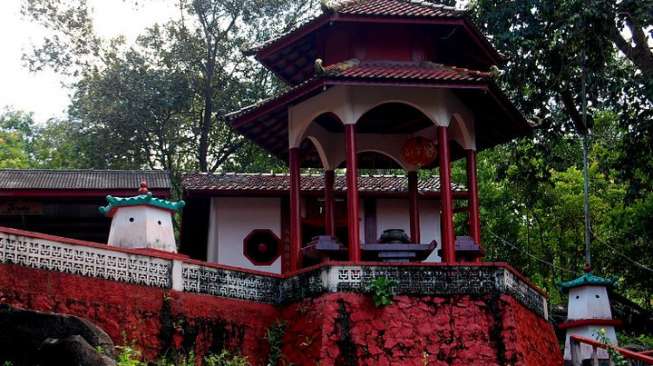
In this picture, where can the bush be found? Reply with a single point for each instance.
(382, 289)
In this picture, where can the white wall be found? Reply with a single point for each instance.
(588, 302)
(232, 219)
(142, 227)
(393, 214)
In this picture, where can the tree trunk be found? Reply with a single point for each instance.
(205, 127)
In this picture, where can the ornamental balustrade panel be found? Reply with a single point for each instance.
(229, 283)
(85, 261)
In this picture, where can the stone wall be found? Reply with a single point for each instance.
(346, 329)
(155, 320)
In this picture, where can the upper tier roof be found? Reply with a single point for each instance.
(356, 28)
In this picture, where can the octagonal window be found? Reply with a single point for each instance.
(262, 247)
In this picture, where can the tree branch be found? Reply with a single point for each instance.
(640, 55)
(226, 152)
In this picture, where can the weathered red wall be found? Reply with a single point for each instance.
(338, 329)
(332, 329)
(153, 319)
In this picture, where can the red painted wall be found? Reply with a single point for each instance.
(459, 330)
(153, 319)
(334, 329)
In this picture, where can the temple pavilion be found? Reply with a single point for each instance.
(381, 84)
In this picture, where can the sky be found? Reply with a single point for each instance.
(43, 93)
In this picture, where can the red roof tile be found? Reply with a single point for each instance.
(425, 72)
(402, 8)
(310, 183)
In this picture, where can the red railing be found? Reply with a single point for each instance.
(576, 358)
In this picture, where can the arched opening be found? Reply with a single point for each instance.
(311, 153)
(376, 162)
(393, 118)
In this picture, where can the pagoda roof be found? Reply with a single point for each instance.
(141, 200)
(587, 279)
(365, 11)
(266, 122)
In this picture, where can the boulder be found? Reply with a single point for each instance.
(73, 350)
(23, 333)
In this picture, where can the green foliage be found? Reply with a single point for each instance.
(274, 336)
(178, 360)
(382, 289)
(616, 357)
(56, 144)
(129, 356)
(225, 359)
(643, 340)
(15, 135)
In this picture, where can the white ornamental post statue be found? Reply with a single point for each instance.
(589, 314)
(142, 221)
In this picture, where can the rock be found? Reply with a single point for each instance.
(23, 333)
(73, 350)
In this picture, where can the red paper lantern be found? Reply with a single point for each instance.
(418, 151)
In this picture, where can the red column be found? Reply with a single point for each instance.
(295, 218)
(413, 207)
(446, 198)
(329, 216)
(352, 194)
(472, 186)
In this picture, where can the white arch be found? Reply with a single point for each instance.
(397, 101)
(462, 131)
(436, 104)
(320, 151)
(333, 101)
(396, 159)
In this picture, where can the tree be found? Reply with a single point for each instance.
(56, 144)
(176, 83)
(140, 107)
(532, 199)
(15, 135)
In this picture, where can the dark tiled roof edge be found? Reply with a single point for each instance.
(234, 182)
(81, 179)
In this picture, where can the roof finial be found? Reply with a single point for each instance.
(143, 189)
(587, 268)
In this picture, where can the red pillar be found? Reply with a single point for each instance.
(295, 218)
(446, 197)
(329, 216)
(413, 207)
(352, 194)
(472, 186)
